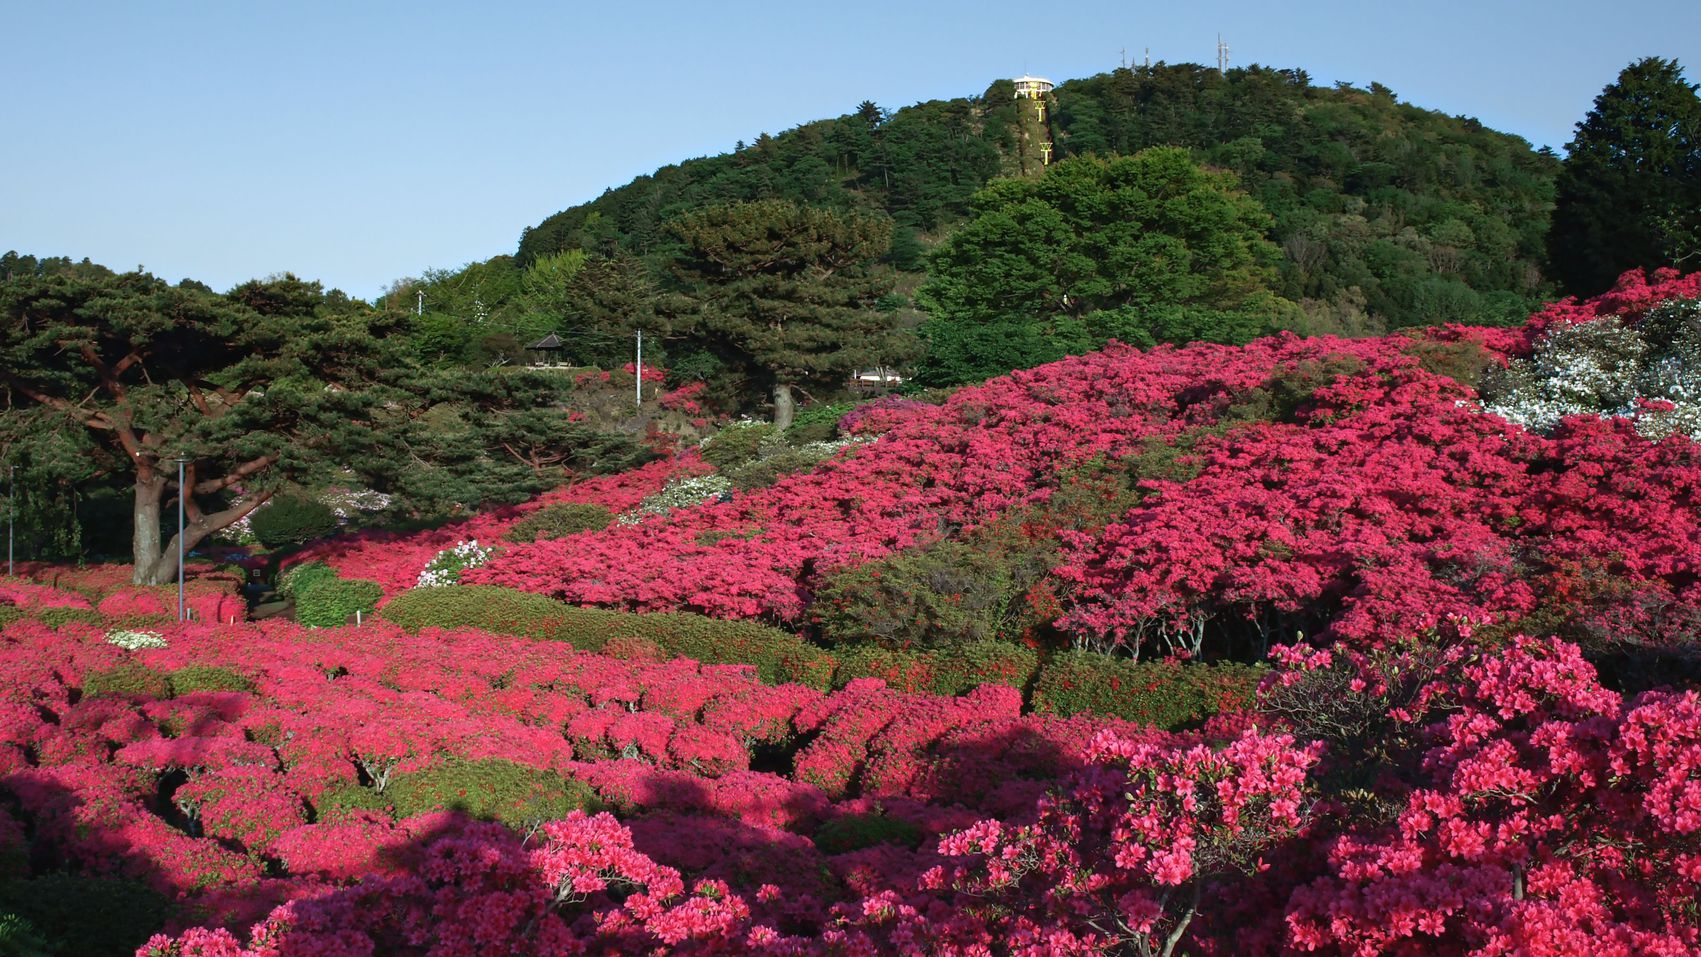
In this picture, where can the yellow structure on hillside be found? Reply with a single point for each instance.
(1032, 87)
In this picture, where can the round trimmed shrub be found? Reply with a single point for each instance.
(330, 602)
(947, 593)
(1163, 694)
(192, 678)
(736, 444)
(559, 521)
(297, 577)
(942, 671)
(292, 520)
(130, 680)
(855, 832)
(489, 789)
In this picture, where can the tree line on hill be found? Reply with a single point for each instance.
(1348, 212)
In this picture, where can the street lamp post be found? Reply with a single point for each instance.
(182, 493)
(11, 514)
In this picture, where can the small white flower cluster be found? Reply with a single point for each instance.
(135, 640)
(827, 448)
(679, 493)
(348, 502)
(1609, 368)
(445, 568)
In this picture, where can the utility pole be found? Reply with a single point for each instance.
(638, 387)
(182, 493)
(419, 308)
(11, 513)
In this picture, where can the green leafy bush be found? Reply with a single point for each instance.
(329, 602)
(818, 423)
(129, 679)
(1163, 694)
(297, 577)
(778, 656)
(9, 614)
(559, 521)
(736, 444)
(18, 938)
(944, 671)
(765, 471)
(87, 916)
(292, 520)
(60, 617)
(1289, 388)
(855, 832)
(192, 678)
(947, 593)
(491, 789)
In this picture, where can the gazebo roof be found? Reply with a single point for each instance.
(551, 341)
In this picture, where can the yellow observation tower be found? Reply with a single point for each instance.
(1032, 87)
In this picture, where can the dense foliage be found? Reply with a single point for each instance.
(1142, 249)
(1629, 193)
(1388, 215)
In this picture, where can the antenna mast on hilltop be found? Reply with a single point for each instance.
(1222, 55)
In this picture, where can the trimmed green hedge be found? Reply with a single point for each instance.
(945, 671)
(129, 679)
(854, 832)
(778, 656)
(736, 444)
(296, 578)
(491, 789)
(559, 521)
(192, 678)
(1164, 694)
(57, 618)
(330, 602)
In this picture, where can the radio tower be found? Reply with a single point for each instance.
(1222, 55)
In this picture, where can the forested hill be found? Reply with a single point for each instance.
(1388, 215)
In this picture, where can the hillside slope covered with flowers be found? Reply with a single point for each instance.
(1487, 739)
(1336, 487)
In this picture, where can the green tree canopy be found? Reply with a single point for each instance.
(275, 382)
(791, 290)
(1147, 248)
(1629, 193)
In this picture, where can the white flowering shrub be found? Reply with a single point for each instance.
(679, 493)
(445, 568)
(1650, 372)
(135, 640)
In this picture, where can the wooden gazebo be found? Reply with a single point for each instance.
(548, 351)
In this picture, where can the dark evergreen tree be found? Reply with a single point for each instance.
(791, 289)
(1629, 192)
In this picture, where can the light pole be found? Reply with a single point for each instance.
(182, 493)
(11, 513)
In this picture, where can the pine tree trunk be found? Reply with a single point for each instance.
(146, 546)
(785, 407)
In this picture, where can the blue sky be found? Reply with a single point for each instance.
(357, 143)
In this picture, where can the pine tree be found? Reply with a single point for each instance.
(791, 290)
(1629, 193)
